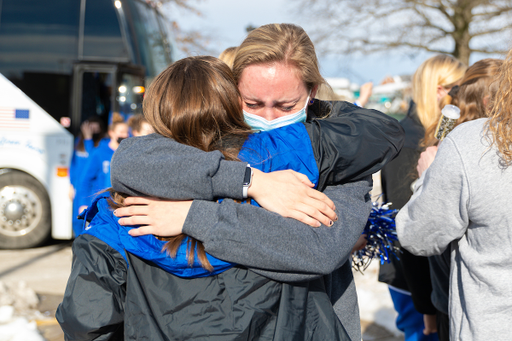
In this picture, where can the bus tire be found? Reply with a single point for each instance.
(25, 215)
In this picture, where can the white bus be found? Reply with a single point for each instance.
(71, 59)
(35, 152)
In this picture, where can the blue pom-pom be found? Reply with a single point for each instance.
(380, 231)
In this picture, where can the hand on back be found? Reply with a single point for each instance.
(287, 193)
(154, 216)
(291, 195)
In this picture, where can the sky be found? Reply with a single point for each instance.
(225, 21)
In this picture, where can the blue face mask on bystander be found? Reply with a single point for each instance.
(259, 123)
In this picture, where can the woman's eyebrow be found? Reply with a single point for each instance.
(294, 101)
(245, 98)
(281, 102)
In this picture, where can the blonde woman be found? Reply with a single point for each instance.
(474, 97)
(228, 56)
(276, 70)
(468, 186)
(431, 83)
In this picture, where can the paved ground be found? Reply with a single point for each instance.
(373, 331)
(44, 269)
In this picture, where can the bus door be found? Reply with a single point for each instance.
(101, 89)
(93, 93)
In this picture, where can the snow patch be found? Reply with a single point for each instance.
(18, 313)
(375, 304)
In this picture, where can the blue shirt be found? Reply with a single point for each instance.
(287, 147)
(96, 173)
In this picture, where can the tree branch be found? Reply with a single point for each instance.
(367, 26)
(491, 31)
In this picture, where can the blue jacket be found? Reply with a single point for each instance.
(280, 149)
(79, 160)
(96, 173)
(76, 171)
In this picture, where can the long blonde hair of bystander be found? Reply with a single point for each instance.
(500, 123)
(474, 96)
(228, 56)
(438, 73)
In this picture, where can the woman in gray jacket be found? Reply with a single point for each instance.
(277, 73)
(462, 201)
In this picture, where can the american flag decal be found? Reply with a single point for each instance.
(14, 119)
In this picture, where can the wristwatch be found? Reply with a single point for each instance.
(247, 181)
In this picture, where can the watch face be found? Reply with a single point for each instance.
(248, 176)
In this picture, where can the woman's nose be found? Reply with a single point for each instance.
(269, 113)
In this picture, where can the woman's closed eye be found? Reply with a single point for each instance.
(252, 105)
(287, 108)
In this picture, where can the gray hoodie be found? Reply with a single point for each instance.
(463, 200)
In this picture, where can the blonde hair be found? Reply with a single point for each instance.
(228, 56)
(479, 82)
(441, 70)
(280, 43)
(500, 123)
(117, 119)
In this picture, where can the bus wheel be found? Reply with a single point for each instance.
(25, 218)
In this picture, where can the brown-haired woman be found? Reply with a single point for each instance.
(461, 203)
(278, 77)
(473, 96)
(194, 101)
(139, 126)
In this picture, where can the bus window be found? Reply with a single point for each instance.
(102, 32)
(169, 43)
(151, 42)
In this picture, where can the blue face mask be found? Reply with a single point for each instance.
(259, 123)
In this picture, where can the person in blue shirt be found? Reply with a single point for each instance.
(92, 131)
(95, 175)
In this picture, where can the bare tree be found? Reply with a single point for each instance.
(188, 41)
(456, 27)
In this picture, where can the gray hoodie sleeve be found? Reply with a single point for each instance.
(154, 165)
(426, 225)
(282, 248)
(279, 248)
